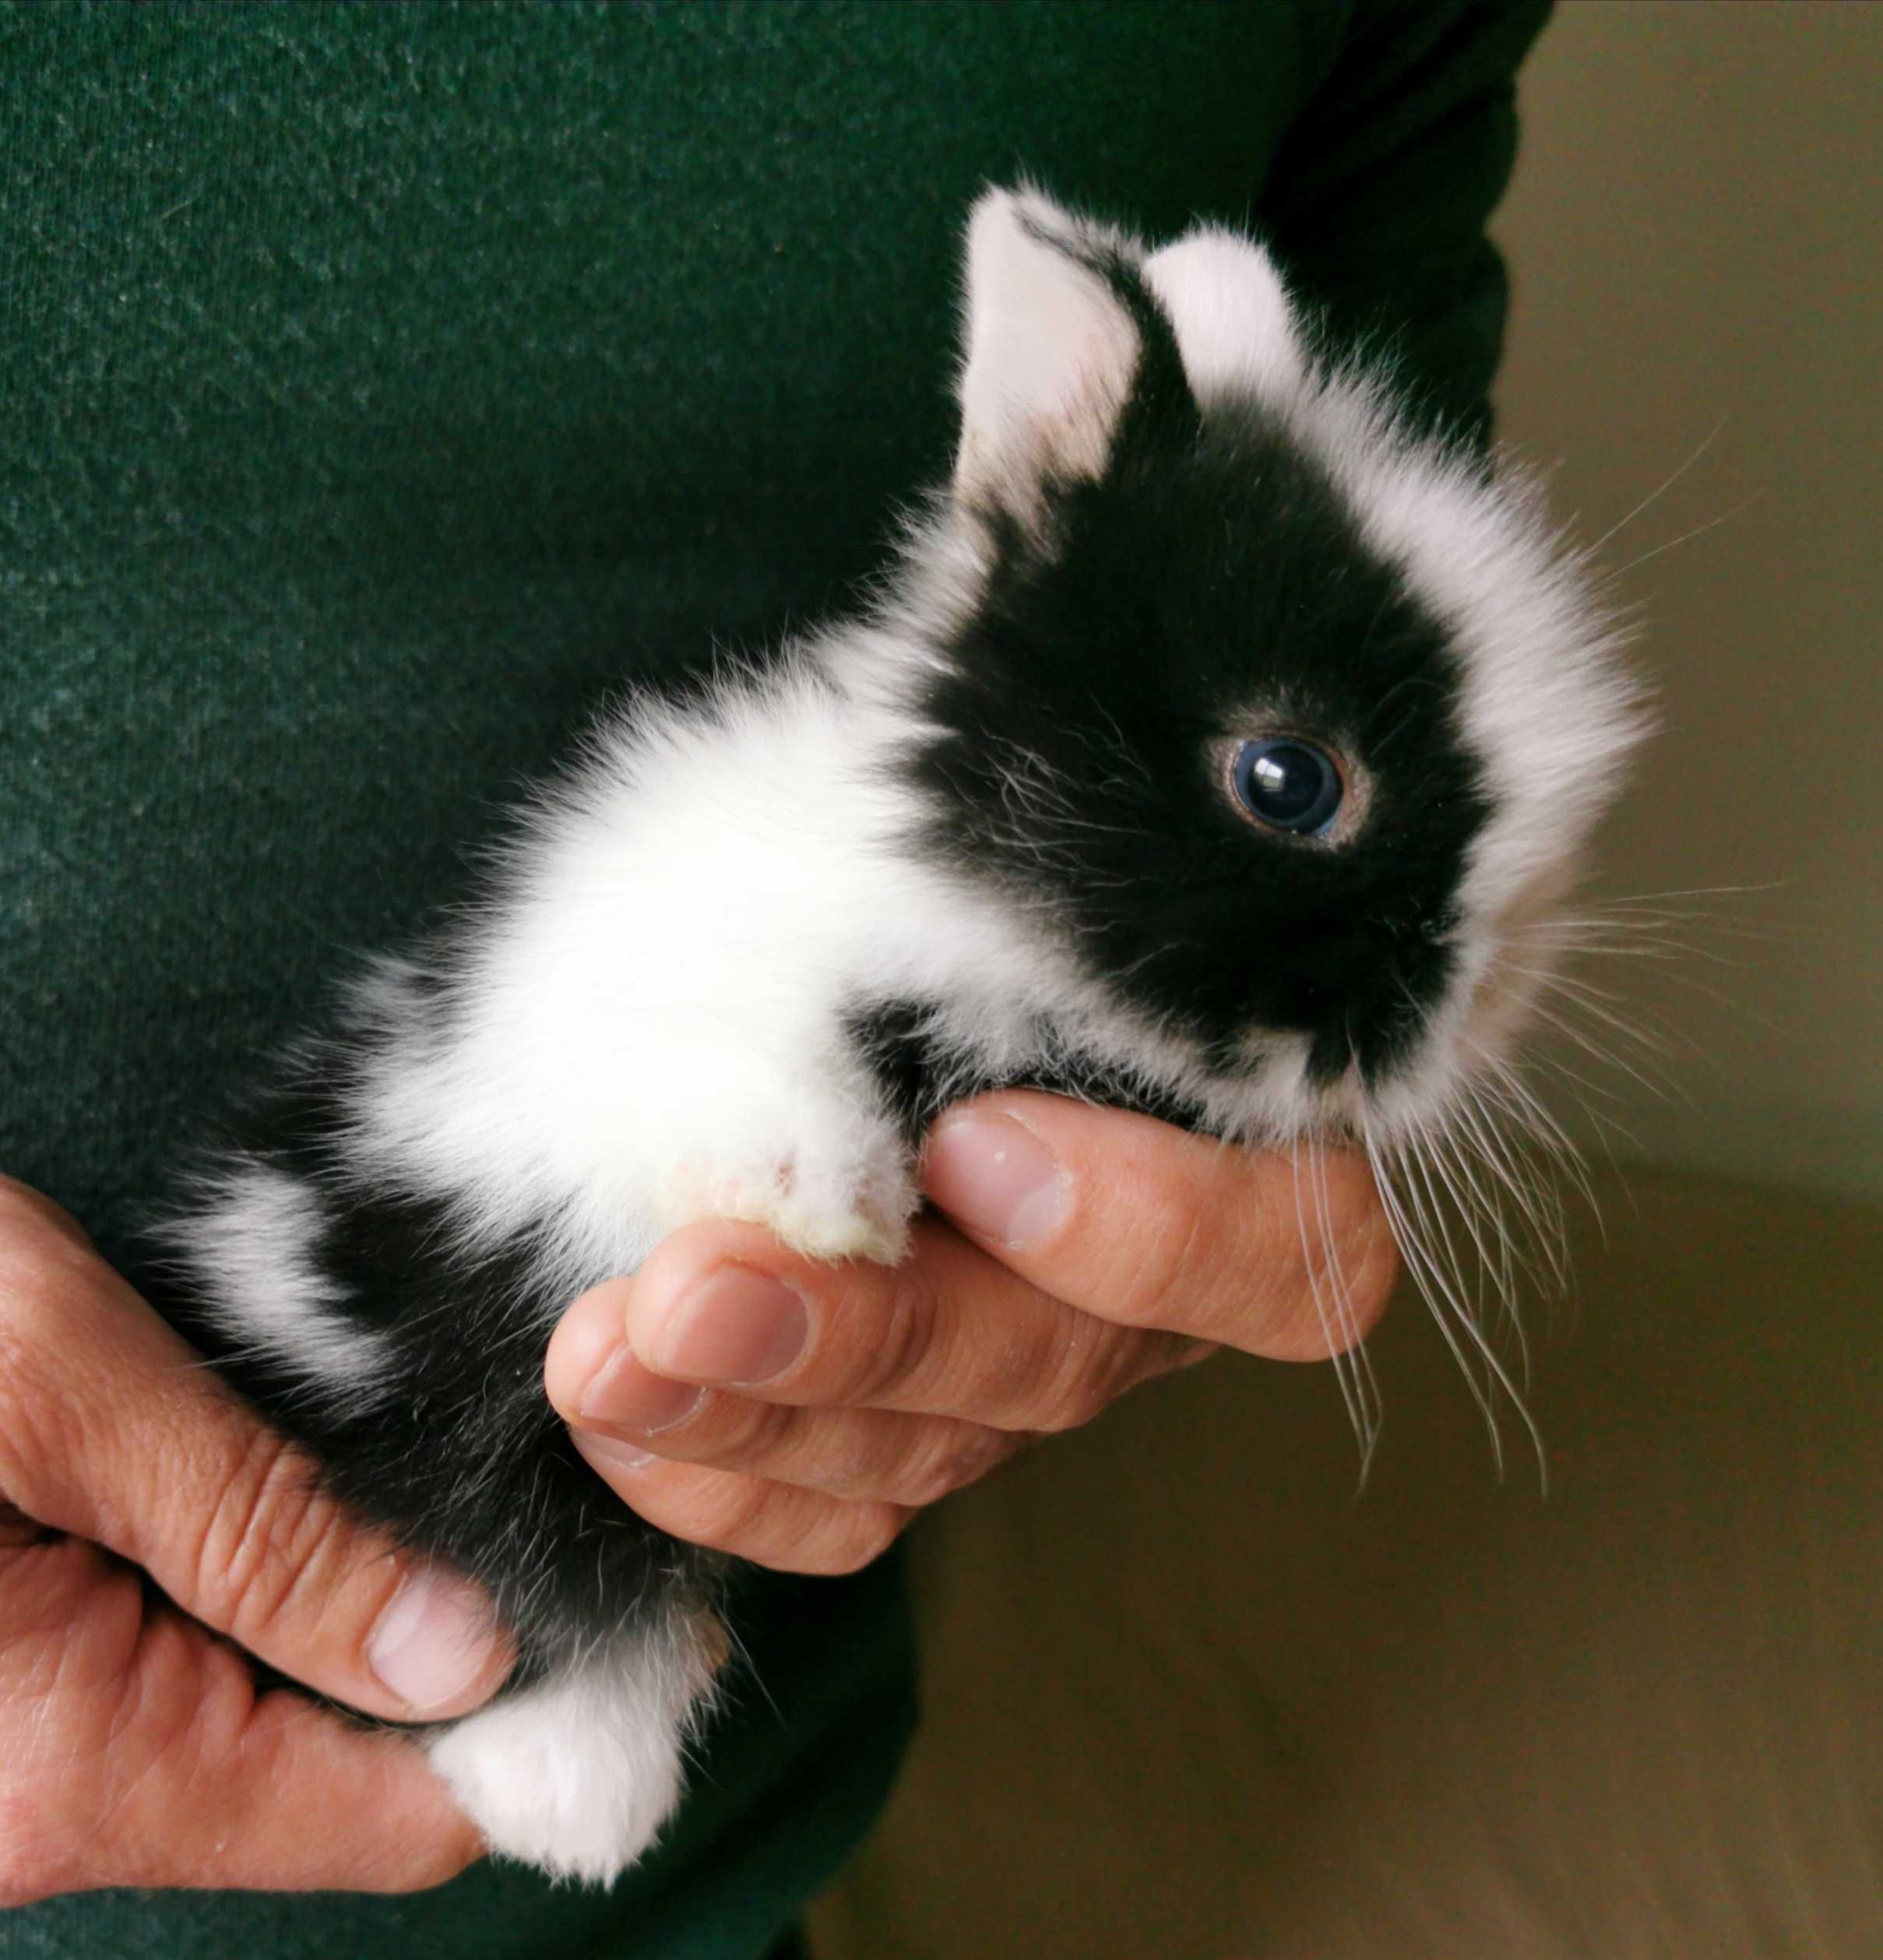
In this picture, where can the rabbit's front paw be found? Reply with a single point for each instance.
(836, 1196)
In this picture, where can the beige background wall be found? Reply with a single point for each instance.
(1696, 238)
(1188, 1698)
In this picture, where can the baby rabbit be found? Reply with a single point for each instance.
(1219, 746)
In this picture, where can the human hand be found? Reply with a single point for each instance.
(134, 1749)
(741, 1396)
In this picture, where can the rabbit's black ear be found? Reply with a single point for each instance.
(1050, 352)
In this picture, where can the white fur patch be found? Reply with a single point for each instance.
(249, 1241)
(576, 1775)
(1229, 312)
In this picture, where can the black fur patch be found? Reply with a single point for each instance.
(459, 1453)
(1212, 586)
(919, 1078)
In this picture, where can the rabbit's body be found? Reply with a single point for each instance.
(1010, 826)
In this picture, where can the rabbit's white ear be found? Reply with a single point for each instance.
(1230, 312)
(1051, 351)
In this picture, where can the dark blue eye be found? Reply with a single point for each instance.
(1287, 785)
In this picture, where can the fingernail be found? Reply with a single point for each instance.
(606, 1454)
(433, 1641)
(735, 1326)
(626, 1395)
(996, 1178)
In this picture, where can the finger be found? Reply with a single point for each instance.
(382, 1822)
(870, 1455)
(1126, 1228)
(1285, 1254)
(785, 1527)
(111, 1429)
(188, 1777)
(951, 1333)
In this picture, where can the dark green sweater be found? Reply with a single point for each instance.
(378, 384)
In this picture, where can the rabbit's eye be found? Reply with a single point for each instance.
(1288, 785)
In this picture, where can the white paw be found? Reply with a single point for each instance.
(846, 1203)
(576, 1775)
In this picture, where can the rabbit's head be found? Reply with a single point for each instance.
(1291, 723)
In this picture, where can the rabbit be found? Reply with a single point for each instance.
(1218, 745)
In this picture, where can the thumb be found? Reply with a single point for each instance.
(111, 1429)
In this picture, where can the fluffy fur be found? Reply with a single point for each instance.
(981, 834)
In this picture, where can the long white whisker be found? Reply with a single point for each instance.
(1653, 496)
(1366, 1385)
(1654, 1045)
(1535, 1201)
(1441, 1164)
(1699, 892)
(1476, 1200)
(1476, 1195)
(1492, 1361)
(1337, 1346)
(1643, 941)
(1412, 1227)
(1515, 1095)
(1662, 1091)
(1521, 1149)
(1686, 538)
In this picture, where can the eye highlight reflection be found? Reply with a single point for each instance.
(1288, 784)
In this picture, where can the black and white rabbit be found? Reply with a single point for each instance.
(1219, 745)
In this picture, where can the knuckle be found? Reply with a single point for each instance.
(1157, 1267)
(866, 1533)
(746, 1440)
(959, 1456)
(1004, 1385)
(724, 1512)
(269, 1532)
(902, 1345)
(928, 1481)
(1094, 1369)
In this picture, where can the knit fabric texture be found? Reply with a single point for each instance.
(385, 383)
